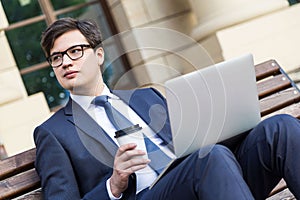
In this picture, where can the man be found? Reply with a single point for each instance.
(79, 158)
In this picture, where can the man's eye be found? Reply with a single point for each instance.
(55, 57)
(75, 50)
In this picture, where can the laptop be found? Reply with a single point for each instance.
(212, 105)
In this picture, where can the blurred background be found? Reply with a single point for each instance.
(269, 29)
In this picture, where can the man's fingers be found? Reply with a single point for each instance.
(128, 160)
(132, 163)
(128, 151)
(126, 147)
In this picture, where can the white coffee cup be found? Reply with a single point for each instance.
(132, 134)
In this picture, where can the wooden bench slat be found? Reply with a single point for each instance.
(32, 195)
(293, 110)
(266, 69)
(280, 186)
(279, 100)
(272, 85)
(17, 163)
(19, 184)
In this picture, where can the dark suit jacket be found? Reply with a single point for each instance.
(74, 156)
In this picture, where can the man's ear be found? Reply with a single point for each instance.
(100, 55)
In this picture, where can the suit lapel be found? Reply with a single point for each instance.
(96, 140)
(151, 107)
(88, 130)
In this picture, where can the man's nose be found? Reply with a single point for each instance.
(66, 60)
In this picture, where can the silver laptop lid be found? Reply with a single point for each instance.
(212, 104)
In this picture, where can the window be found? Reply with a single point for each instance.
(28, 18)
(292, 2)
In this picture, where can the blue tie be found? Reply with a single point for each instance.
(116, 118)
(158, 158)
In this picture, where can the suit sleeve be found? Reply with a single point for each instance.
(56, 172)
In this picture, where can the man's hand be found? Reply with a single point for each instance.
(125, 164)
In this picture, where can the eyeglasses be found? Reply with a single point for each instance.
(74, 53)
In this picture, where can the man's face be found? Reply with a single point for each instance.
(81, 76)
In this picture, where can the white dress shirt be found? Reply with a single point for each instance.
(144, 176)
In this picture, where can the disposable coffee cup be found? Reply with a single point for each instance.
(132, 134)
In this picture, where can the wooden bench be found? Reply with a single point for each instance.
(277, 94)
(276, 91)
(18, 177)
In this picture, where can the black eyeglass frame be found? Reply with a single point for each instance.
(66, 53)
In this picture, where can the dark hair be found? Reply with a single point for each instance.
(88, 29)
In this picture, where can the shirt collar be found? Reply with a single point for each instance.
(85, 101)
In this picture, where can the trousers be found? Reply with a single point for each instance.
(268, 153)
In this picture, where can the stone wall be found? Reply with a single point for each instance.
(167, 38)
(19, 113)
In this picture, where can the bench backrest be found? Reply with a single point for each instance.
(18, 176)
(277, 94)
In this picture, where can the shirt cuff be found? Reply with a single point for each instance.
(111, 196)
